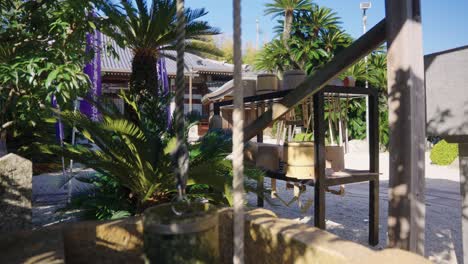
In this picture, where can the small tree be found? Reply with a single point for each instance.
(42, 54)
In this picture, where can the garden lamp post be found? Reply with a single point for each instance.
(364, 6)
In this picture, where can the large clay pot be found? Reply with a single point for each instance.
(292, 78)
(191, 237)
(267, 83)
(299, 160)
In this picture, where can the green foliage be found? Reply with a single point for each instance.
(134, 154)
(249, 54)
(279, 7)
(42, 53)
(315, 37)
(149, 28)
(304, 137)
(444, 153)
(108, 200)
(274, 57)
(138, 156)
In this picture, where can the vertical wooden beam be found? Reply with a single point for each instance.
(259, 111)
(216, 109)
(260, 182)
(463, 160)
(374, 167)
(319, 138)
(190, 90)
(406, 101)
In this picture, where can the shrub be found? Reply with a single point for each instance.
(444, 153)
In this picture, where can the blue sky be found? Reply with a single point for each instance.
(445, 22)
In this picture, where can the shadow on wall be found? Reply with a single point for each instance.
(407, 134)
(111, 242)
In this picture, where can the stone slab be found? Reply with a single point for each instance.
(15, 193)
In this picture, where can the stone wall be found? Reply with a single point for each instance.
(15, 193)
(268, 239)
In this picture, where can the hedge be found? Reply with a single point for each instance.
(444, 153)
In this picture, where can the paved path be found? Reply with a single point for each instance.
(348, 216)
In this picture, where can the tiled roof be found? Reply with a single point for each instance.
(123, 64)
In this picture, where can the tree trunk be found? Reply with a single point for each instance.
(143, 81)
(144, 77)
(3, 143)
(288, 20)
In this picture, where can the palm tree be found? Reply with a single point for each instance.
(149, 30)
(335, 39)
(286, 8)
(323, 19)
(273, 58)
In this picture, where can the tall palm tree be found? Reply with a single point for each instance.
(148, 28)
(286, 8)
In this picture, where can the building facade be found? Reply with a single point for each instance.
(203, 76)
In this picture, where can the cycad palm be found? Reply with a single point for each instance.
(286, 8)
(274, 57)
(378, 71)
(126, 151)
(335, 39)
(149, 29)
(323, 18)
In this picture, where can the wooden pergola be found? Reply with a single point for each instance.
(401, 29)
(322, 181)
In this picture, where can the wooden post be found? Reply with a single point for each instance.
(319, 138)
(374, 167)
(463, 159)
(260, 182)
(406, 101)
(190, 90)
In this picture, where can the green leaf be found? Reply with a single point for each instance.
(51, 77)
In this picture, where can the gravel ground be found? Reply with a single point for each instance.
(347, 216)
(50, 195)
